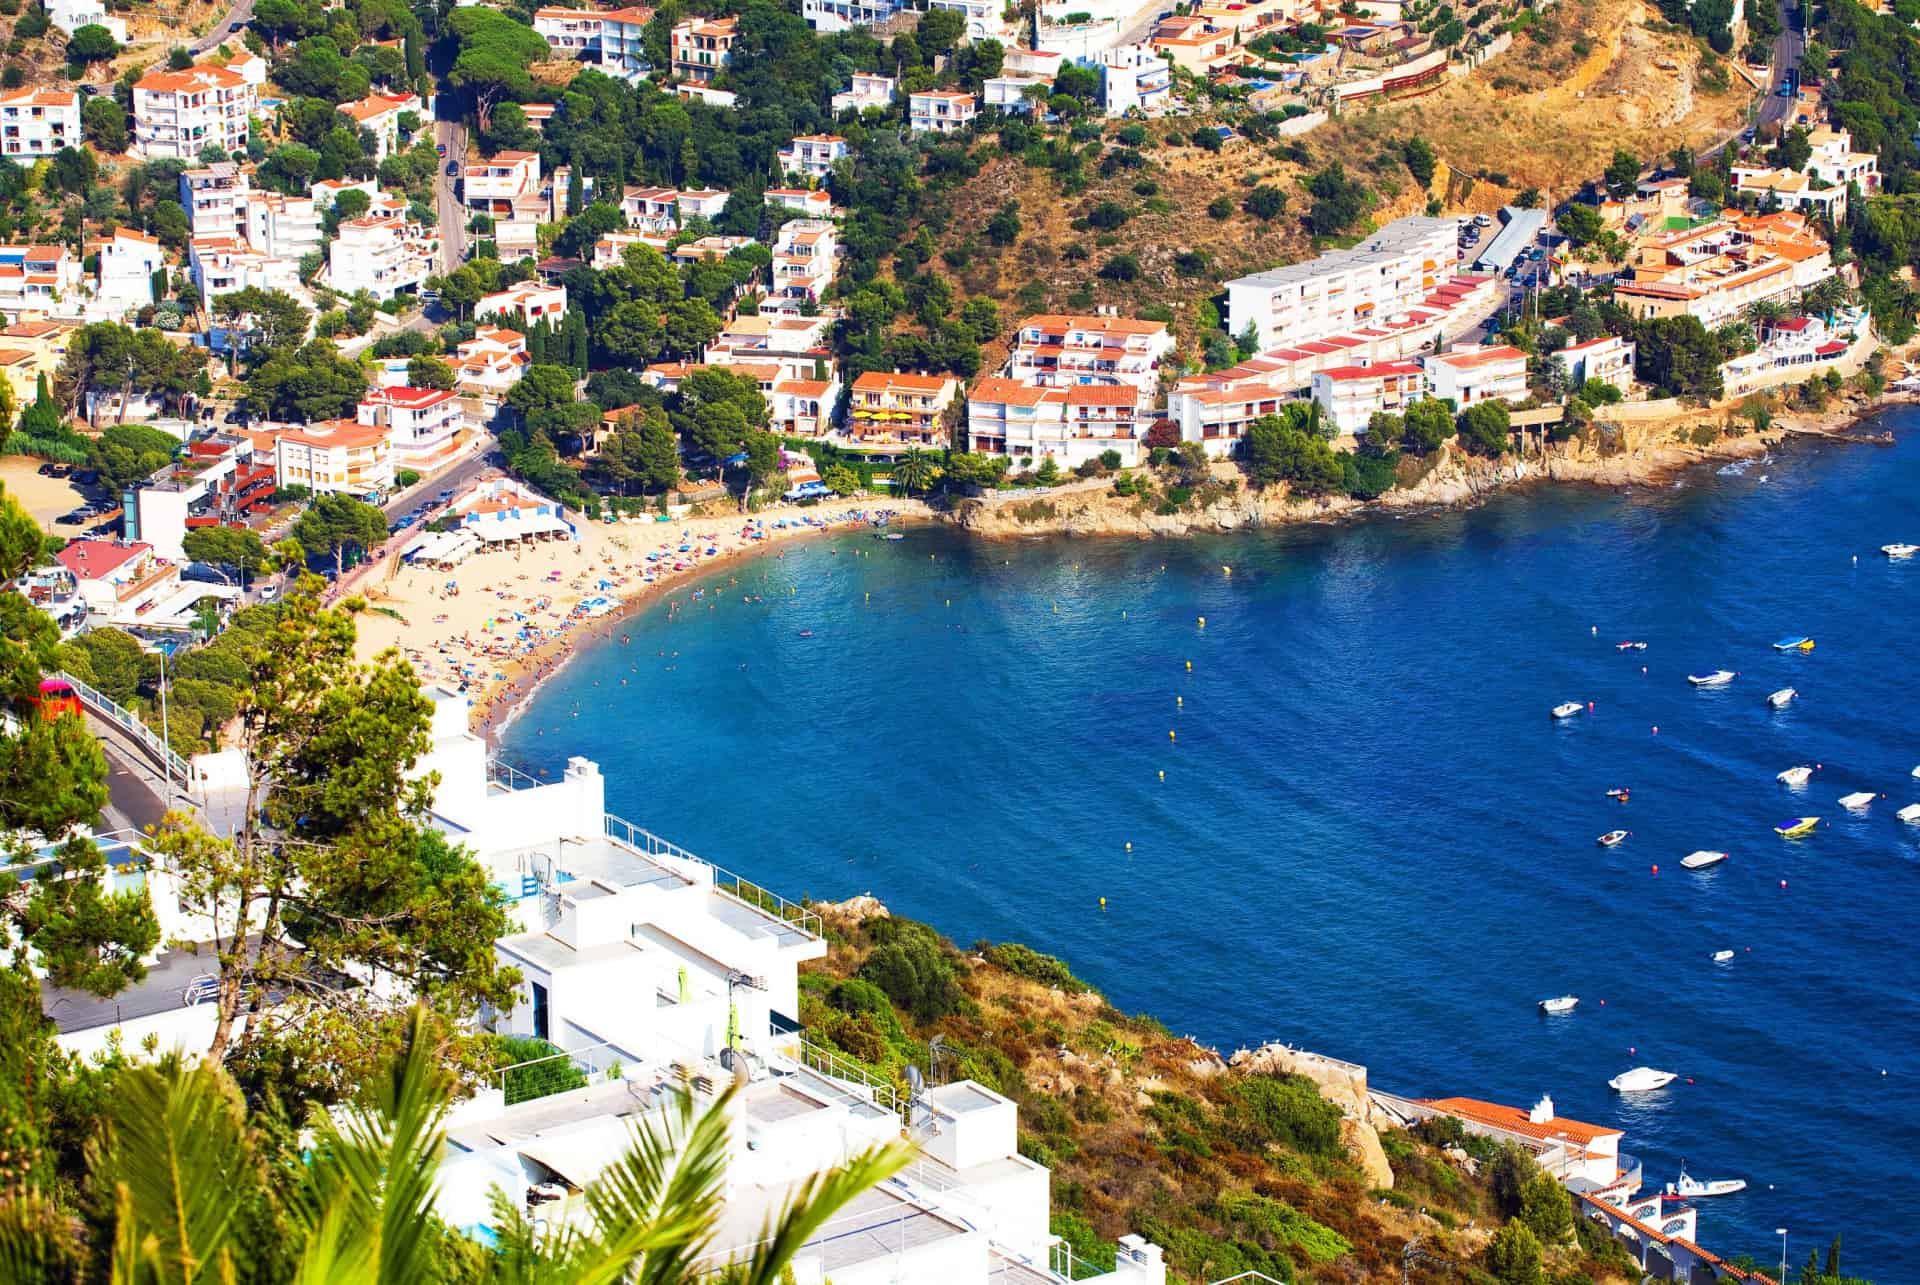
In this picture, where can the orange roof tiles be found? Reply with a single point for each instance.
(1515, 1120)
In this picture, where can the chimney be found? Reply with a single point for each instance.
(1542, 1110)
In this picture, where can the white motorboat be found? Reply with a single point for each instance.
(1857, 801)
(1641, 1079)
(1916, 773)
(1900, 550)
(1687, 1188)
(1717, 678)
(1702, 859)
(1613, 838)
(1722, 956)
(1910, 813)
(1795, 775)
(1567, 709)
(1782, 698)
(1560, 1004)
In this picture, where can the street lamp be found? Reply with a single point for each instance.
(1781, 1232)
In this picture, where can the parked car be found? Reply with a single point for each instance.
(86, 477)
(269, 592)
(46, 470)
(440, 149)
(73, 518)
(453, 169)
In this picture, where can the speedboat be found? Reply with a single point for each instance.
(1641, 1079)
(1857, 801)
(1559, 1004)
(1613, 837)
(1702, 859)
(1619, 792)
(1910, 813)
(1686, 1188)
(1722, 956)
(1795, 828)
(1630, 646)
(1782, 698)
(1794, 644)
(1567, 709)
(1718, 678)
(1900, 550)
(1795, 775)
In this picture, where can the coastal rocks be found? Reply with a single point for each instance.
(855, 910)
(1363, 1147)
(1344, 1084)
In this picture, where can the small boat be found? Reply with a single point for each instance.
(1857, 801)
(1559, 1004)
(1717, 678)
(1641, 1079)
(1567, 709)
(1916, 773)
(1795, 775)
(1702, 859)
(1613, 837)
(1794, 644)
(1797, 827)
(1722, 956)
(1910, 813)
(1782, 698)
(1629, 646)
(1897, 551)
(1686, 1188)
(1619, 792)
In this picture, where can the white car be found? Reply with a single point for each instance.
(269, 592)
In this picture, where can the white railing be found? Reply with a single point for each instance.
(791, 914)
(111, 711)
(837, 1067)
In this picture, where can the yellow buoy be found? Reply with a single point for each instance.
(1226, 570)
(1103, 903)
(1170, 736)
(1129, 847)
(869, 598)
(1163, 774)
(1189, 667)
(1203, 622)
(1180, 701)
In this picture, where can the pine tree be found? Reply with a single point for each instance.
(576, 190)
(574, 331)
(537, 343)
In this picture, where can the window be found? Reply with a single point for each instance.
(540, 1019)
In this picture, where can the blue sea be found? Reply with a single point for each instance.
(1370, 839)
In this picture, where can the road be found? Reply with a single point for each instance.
(455, 479)
(1787, 48)
(452, 135)
(242, 13)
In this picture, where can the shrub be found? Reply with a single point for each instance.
(1278, 1222)
(1089, 1250)
(1121, 267)
(1108, 215)
(405, 477)
(1030, 963)
(1514, 1256)
(912, 968)
(1285, 1110)
(1220, 207)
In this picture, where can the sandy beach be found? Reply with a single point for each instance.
(507, 618)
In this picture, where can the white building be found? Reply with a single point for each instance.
(1608, 359)
(128, 260)
(384, 255)
(215, 198)
(337, 455)
(803, 263)
(1791, 190)
(1568, 1149)
(223, 264)
(1009, 93)
(1072, 424)
(39, 281)
(813, 156)
(1135, 78)
(36, 123)
(814, 203)
(71, 15)
(491, 363)
(866, 90)
(940, 111)
(283, 227)
(664, 210)
(1062, 349)
(527, 302)
(842, 15)
(1390, 273)
(425, 426)
(1471, 374)
(985, 19)
(613, 38)
(117, 579)
(1350, 396)
(380, 114)
(1834, 161)
(179, 114)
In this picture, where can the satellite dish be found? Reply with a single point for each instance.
(915, 1081)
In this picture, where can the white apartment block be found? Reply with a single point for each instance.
(527, 303)
(497, 185)
(128, 260)
(844, 15)
(664, 210)
(380, 114)
(1073, 424)
(1058, 350)
(940, 111)
(223, 264)
(1217, 412)
(36, 123)
(1835, 161)
(1009, 93)
(215, 198)
(383, 254)
(1389, 273)
(813, 156)
(811, 202)
(283, 227)
(71, 15)
(337, 455)
(613, 38)
(802, 407)
(1472, 373)
(1350, 396)
(425, 426)
(178, 114)
(39, 281)
(490, 364)
(803, 263)
(1608, 359)
(797, 347)
(1135, 78)
(866, 90)
(1791, 190)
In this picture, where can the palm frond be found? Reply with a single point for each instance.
(814, 1205)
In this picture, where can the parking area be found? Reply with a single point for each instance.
(45, 497)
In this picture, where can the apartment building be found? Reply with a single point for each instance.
(984, 19)
(1791, 190)
(803, 263)
(1072, 424)
(127, 261)
(1608, 359)
(39, 281)
(813, 156)
(940, 111)
(33, 349)
(1473, 373)
(1392, 272)
(1010, 94)
(119, 580)
(866, 90)
(215, 198)
(1834, 161)
(1057, 350)
(425, 427)
(36, 123)
(71, 15)
(613, 38)
(664, 210)
(1135, 78)
(892, 410)
(802, 407)
(491, 363)
(283, 227)
(383, 254)
(1350, 396)
(380, 114)
(797, 347)
(335, 455)
(1716, 271)
(813, 203)
(844, 15)
(244, 63)
(1217, 411)
(506, 188)
(179, 114)
(527, 303)
(611, 249)
(702, 47)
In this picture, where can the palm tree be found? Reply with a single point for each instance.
(178, 1166)
(1766, 312)
(914, 471)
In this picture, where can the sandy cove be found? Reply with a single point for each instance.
(504, 620)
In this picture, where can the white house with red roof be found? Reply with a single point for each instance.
(491, 362)
(1608, 359)
(127, 261)
(1350, 396)
(381, 113)
(527, 303)
(813, 156)
(1475, 373)
(1063, 349)
(36, 123)
(811, 202)
(1568, 1148)
(39, 281)
(383, 254)
(867, 89)
(1072, 424)
(940, 111)
(426, 426)
(117, 579)
(179, 114)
